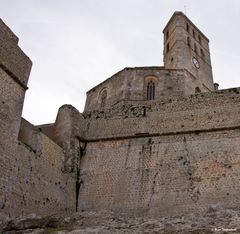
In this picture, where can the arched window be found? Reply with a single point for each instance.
(197, 90)
(103, 98)
(150, 90)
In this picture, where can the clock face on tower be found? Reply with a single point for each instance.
(195, 63)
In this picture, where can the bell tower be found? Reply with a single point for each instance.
(186, 47)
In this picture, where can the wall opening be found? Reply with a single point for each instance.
(195, 49)
(150, 90)
(167, 48)
(200, 39)
(197, 90)
(202, 53)
(193, 33)
(189, 41)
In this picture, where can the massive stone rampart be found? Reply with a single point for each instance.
(173, 156)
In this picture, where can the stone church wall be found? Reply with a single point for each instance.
(131, 84)
(114, 88)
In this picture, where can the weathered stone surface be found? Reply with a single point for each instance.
(177, 155)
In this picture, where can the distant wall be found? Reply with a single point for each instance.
(166, 157)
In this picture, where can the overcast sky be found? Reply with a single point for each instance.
(76, 44)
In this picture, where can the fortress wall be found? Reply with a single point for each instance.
(189, 161)
(163, 175)
(11, 103)
(34, 183)
(199, 112)
(40, 186)
(31, 180)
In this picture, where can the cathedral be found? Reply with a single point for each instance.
(160, 140)
(187, 70)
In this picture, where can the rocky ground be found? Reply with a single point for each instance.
(221, 221)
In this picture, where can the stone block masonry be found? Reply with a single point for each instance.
(180, 155)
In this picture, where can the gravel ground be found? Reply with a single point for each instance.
(105, 222)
